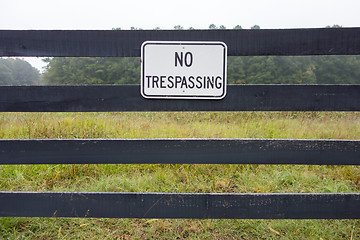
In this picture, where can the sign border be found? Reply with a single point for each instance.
(142, 90)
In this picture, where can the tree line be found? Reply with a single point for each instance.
(241, 70)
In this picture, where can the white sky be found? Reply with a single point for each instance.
(108, 14)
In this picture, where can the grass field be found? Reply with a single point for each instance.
(180, 178)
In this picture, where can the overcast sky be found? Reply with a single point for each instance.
(165, 14)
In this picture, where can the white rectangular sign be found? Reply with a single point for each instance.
(190, 70)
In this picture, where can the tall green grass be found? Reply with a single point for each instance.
(297, 125)
(179, 178)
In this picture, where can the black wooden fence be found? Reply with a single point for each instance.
(329, 41)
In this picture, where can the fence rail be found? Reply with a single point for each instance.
(126, 43)
(181, 151)
(295, 42)
(180, 205)
(127, 98)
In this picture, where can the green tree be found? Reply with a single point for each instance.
(178, 27)
(6, 75)
(212, 26)
(24, 73)
(18, 72)
(334, 26)
(236, 72)
(337, 69)
(88, 70)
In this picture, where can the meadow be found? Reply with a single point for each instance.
(180, 178)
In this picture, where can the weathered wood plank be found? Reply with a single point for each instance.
(180, 151)
(104, 98)
(126, 43)
(180, 205)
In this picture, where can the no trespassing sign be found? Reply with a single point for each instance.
(183, 70)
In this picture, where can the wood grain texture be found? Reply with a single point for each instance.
(180, 205)
(126, 43)
(180, 151)
(105, 98)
